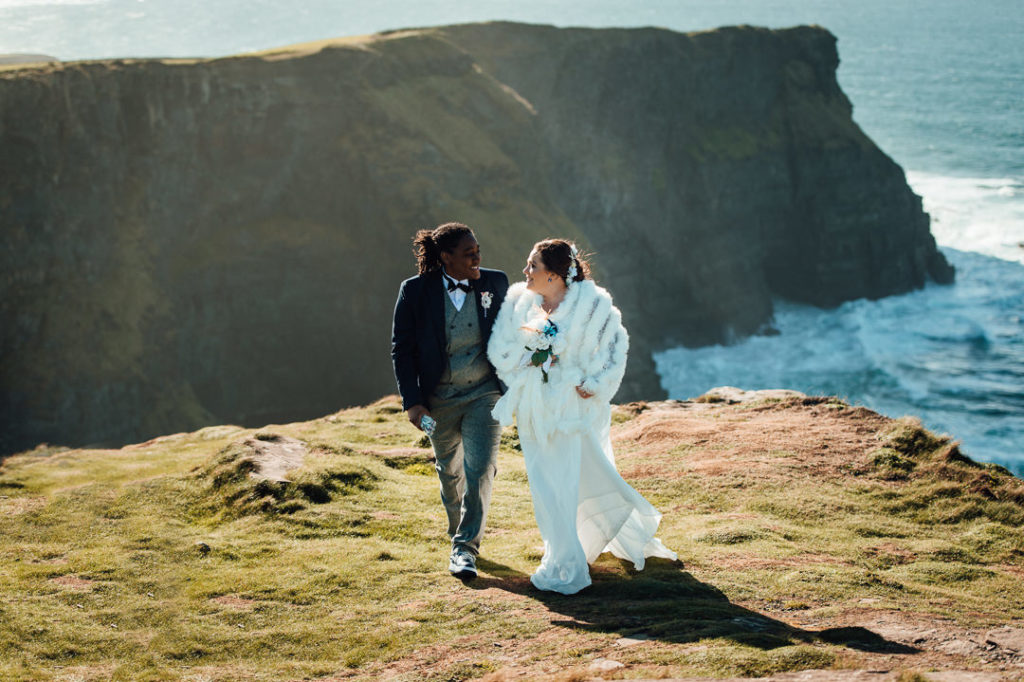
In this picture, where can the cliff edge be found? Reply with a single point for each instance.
(818, 541)
(189, 242)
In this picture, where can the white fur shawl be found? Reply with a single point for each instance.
(591, 345)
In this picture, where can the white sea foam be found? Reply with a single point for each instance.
(953, 355)
(974, 214)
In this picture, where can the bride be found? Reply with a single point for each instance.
(559, 345)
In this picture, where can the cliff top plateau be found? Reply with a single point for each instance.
(817, 541)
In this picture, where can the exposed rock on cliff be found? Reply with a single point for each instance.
(719, 168)
(190, 242)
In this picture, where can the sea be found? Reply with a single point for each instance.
(937, 84)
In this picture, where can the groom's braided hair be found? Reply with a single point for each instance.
(556, 255)
(428, 244)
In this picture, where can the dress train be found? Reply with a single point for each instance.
(584, 507)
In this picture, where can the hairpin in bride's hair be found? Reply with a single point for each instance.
(570, 276)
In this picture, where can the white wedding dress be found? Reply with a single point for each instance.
(582, 505)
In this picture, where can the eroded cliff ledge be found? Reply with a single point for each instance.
(200, 241)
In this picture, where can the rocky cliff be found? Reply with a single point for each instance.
(200, 241)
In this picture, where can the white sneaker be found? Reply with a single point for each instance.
(462, 565)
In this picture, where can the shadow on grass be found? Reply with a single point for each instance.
(667, 603)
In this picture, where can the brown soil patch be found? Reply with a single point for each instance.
(86, 673)
(399, 452)
(513, 655)
(13, 506)
(74, 582)
(939, 643)
(275, 456)
(1011, 569)
(235, 602)
(739, 562)
(895, 552)
(782, 440)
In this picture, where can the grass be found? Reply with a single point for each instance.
(230, 492)
(167, 560)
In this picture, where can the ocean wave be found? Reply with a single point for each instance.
(951, 355)
(974, 213)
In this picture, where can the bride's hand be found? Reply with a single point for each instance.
(583, 394)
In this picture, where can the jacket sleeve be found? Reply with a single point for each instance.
(403, 350)
(605, 367)
(504, 350)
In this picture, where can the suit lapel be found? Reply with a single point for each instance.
(435, 305)
(485, 329)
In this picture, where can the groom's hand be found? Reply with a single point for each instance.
(415, 414)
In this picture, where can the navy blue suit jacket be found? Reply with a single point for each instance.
(418, 343)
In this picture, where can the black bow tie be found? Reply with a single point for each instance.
(453, 285)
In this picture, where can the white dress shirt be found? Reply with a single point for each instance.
(458, 296)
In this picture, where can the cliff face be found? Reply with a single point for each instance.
(717, 168)
(190, 242)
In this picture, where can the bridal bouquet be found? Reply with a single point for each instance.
(541, 353)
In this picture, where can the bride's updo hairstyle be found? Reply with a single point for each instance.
(557, 257)
(428, 244)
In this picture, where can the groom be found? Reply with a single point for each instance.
(443, 319)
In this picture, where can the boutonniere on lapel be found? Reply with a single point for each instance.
(486, 298)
